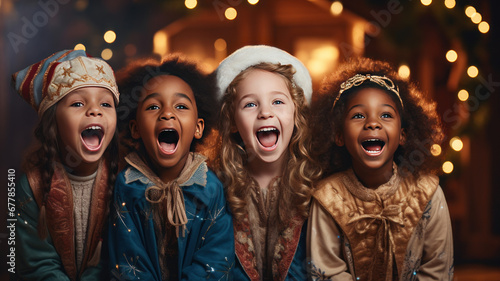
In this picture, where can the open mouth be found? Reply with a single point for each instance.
(92, 137)
(373, 146)
(268, 137)
(168, 140)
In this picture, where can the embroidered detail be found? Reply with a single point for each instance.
(131, 266)
(212, 217)
(227, 269)
(411, 266)
(317, 273)
(118, 214)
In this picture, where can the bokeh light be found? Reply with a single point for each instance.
(476, 18)
(253, 2)
(190, 4)
(220, 44)
(463, 95)
(110, 36)
(450, 4)
(80, 46)
(483, 27)
(436, 149)
(456, 144)
(470, 11)
(230, 13)
(336, 8)
(426, 2)
(447, 167)
(472, 71)
(106, 54)
(404, 71)
(451, 55)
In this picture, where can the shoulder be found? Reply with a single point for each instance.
(130, 182)
(325, 185)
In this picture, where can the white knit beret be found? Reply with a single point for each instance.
(247, 56)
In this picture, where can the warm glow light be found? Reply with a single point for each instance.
(336, 8)
(472, 71)
(483, 27)
(470, 11)
(110, 36)
(404, 71)
(106, 54)
(230, 13)
(476, 18)
(456, 143)
(436, 149)
(80, 5)
(190, 4)
(80, 47)
(463, 95)
(253, 2)
(447, 167)
(451, 56)
(450, 4)
(160, 43)
(220, 44)
(426, 2)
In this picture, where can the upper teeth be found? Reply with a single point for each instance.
(94, 128)
(373, 140)
(267, 129)
(168, 130)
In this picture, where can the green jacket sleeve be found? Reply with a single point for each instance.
(36, 259)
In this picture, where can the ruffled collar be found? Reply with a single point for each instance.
(383, 192)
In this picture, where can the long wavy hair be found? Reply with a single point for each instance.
(300, 169)
(419, 119)
(43, 155)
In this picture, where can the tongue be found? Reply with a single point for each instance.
(373, 147)
(91, 140)
(267, 139)
(167, 146)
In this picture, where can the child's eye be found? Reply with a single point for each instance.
(181, 106)
(250, 104)
(77, 104)
(153, 107)
(106, 104)
(357, 116)
(278, 102)
(386, 115)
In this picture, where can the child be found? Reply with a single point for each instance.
(383, 216)
(264, 160)
(62, 200)
(170, 220)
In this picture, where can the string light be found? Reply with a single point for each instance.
(426, 2)
(476, 18)
(336, 8)
(483, 27)
(110, 36)
(230, 13)
(253, 2)
(404, 71)
(472, 71)
(470, 11)
(463, 95)
(447, 167)
(436, 149)
(190, 4)
(450, 4)
(80, 47)
(451, 55)
(456, 144)
(106, 54)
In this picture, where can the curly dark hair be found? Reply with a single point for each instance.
(419, 119)
(131, 81)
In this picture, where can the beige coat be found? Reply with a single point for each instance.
(400, 231)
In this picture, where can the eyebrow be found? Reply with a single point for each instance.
(362, 105)
(153, 95)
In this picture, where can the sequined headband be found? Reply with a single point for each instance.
(359, 79)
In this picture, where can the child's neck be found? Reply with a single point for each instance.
(373, 178)
(169, 174)
(83, 169)
(263, 173)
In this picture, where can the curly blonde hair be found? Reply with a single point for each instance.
(300, 170)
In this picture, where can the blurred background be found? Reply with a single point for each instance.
(449, 47)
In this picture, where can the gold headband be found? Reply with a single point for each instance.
(359, 79)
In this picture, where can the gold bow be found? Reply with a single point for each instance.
(175, 205)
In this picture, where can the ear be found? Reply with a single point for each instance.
(200, 125)
(339, 139)
(402, 138)
(134, 131)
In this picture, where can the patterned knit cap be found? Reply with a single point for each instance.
(45, 83)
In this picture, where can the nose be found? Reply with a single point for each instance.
(167, 115)
(372, 124)
(94, 110)
(265, 112)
